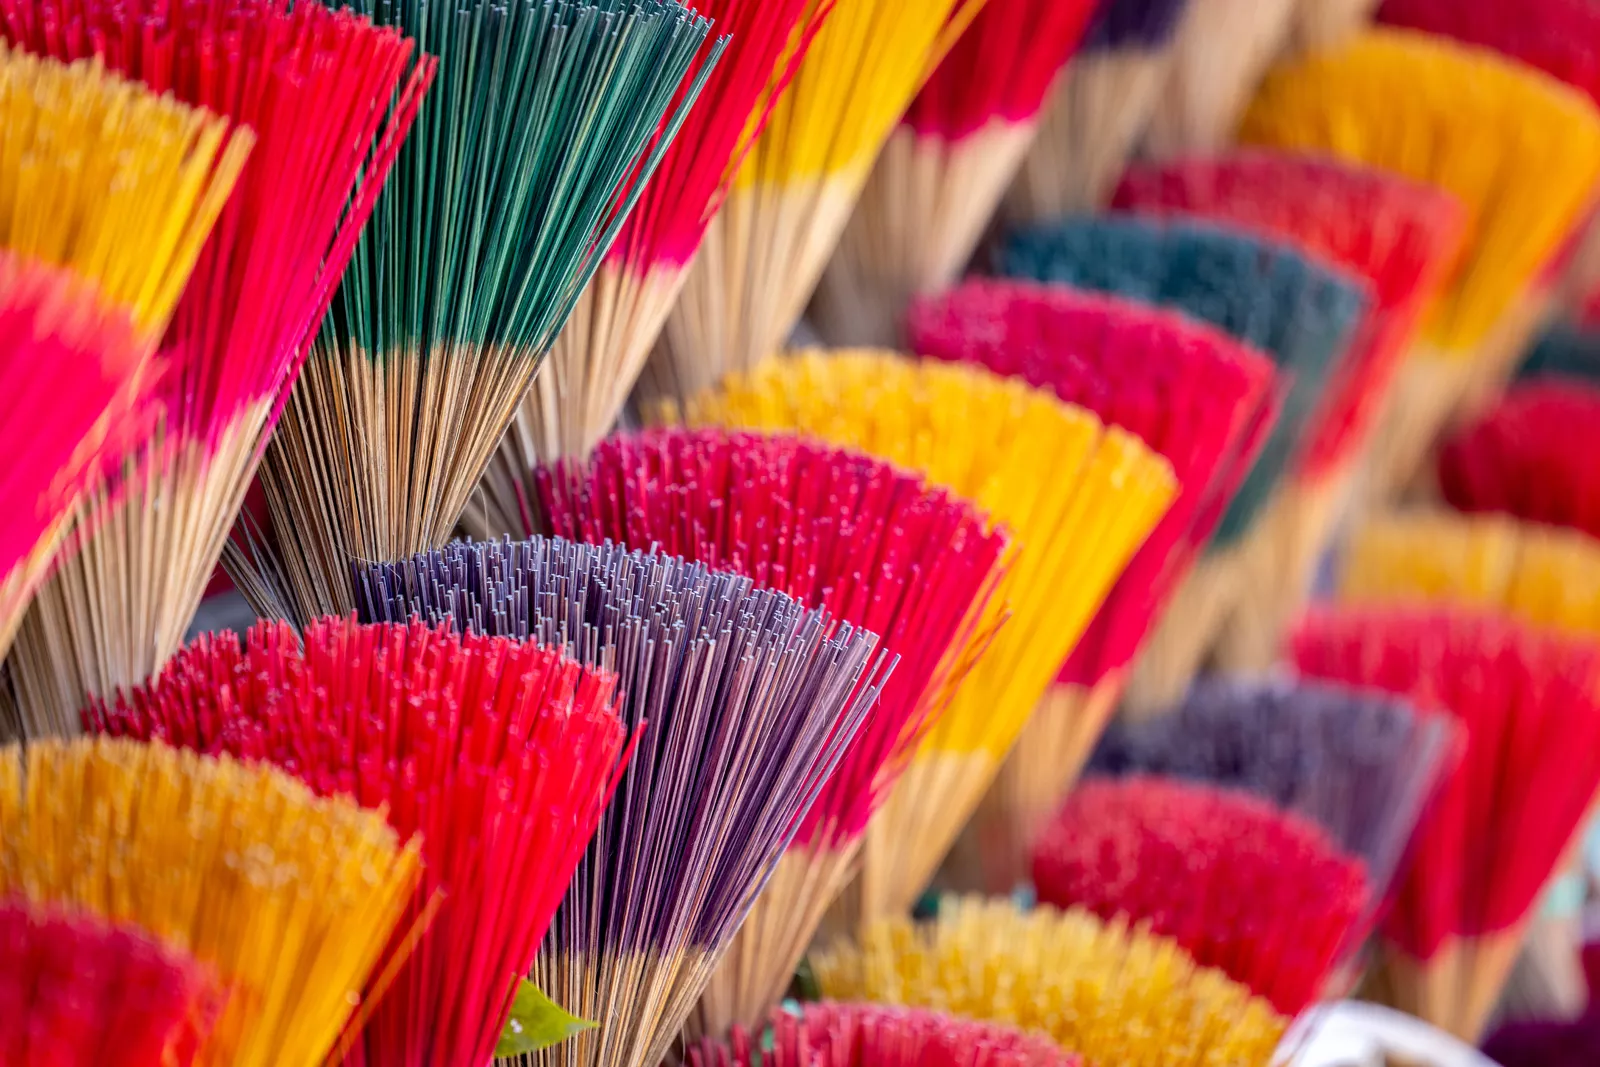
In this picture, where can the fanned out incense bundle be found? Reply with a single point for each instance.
(586, 378)
(1529, 456)
(1359, 764)
(1318, 24)
(1191, 393)
(499, 756)
(1242, 885)
(1398, 236)
(107, 192)
(328, 97)
(1096, 111)
(794, 191)
(875, 546)
(743, 702)
(1302, 311)
(1112, 993)
(1529, 704)
(288, 898)
(872, 1035)
(504, 204)
(1079, 498)
(1221, 50)
(77, 992)
(1564, 350)
(942, 172)
(1555, 36)
(1518, 149)
(1543, 574)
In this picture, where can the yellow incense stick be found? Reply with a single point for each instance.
(792, 196)
(1545, 575)
(291, 898)
(105, 177)
(1078, 497)
(1112, 993)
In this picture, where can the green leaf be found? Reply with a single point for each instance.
(536, 1022)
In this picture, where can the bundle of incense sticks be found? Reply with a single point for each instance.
(328, 96)
(78, 992)
(796, 187)
(1221, 50)
(598, 355)
(1258, 892)
(507, 202)
(1525, 457)
(1399, 237)
(1555, 36)
(1079, 497)
(1199, 398)
(942, 172)
(873, 1035)
(1360, 764)
(287, 898)
(1096, 111)
(1319, 24)
(875, 546)
(1543, 574)
(1564, 350)
(1521, 152)
(743, 700)
(1302, 311)
(107, 192)
(1107, 991)
(499, 756)
(1529, 704)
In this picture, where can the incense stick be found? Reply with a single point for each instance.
(548, 121)
(81, 993)
(289, 898)
(943, 170)
(744, 701)
(876, 546)
(1079, 497)
(1200, 399)
(795, 189)
(870, 1035)
(498, 756)
(1111, 993)
(583, 384)
(1096, 111)
(328, 97)
(1528, 702)
(1400, 237)
(1521, 152)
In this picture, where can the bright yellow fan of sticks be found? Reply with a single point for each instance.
(290, 897)
(1115, 995)
(1545, 575)
(1078, 497)
(1519, 148)
(105, 177)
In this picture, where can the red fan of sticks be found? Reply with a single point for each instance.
(1242, 885)
(871, 1035)
(501, 755)
(1197, 396)
(875, 546)
(1529, 702)
(71, 371)
(1532, 456)
(75, 992)
(1401, 236)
